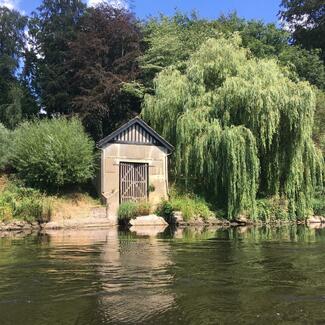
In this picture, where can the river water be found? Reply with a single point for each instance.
(190, 276)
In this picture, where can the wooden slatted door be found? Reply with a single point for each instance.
(133, 182)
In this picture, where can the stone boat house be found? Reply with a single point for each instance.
(134, 165)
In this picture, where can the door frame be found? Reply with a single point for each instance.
(133, 163)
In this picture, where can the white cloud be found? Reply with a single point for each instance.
(114, 3)
(10, 4)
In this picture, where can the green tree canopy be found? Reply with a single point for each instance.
(269, 41)
(12, 38)
(51, 28)
(241, 127)
(171, 40)
(16, 102)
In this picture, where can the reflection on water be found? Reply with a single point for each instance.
(164, 276)
(151, 231)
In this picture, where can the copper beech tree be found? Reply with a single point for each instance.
(102, 62)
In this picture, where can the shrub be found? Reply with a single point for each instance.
(165, 210)
(5, 144)
(190, 205)
(53, 153)
(272, 209)
(319, 203)
(129, 210)
(143, 208)
(17, 202)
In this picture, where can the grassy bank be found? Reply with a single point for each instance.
(23, 203)
(268, 210)
(190, 205)
(42, 157)
(18, 202)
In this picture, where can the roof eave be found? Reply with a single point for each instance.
(100, 144)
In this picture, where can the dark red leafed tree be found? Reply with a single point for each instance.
(101, 62)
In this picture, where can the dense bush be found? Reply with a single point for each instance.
(143, 208)
(18, 202)
(165, 210)
(190, 205)
(272, 209)
(53, 153)
(319, 202)
(5, 138)
(129, 210)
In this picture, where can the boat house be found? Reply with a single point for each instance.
(134, 165)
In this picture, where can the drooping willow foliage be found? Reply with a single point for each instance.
(240, 127)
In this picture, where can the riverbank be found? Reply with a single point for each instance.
(24, 208)
(178, 220)
(193, 232)
(97, 217)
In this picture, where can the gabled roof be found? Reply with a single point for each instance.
(136, 131)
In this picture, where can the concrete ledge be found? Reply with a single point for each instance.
(88, 222)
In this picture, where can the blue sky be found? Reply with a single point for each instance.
(265, 10)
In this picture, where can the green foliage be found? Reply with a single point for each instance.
(165, 210)
(53, 153)
(12, 40)
(272, 209)
(151, 188)
(16, 101)
(16, 104)
(143, 208)
(263, 40)
(319, 129)
(319, 202)
(240, 126)
(190, 205)
(129, 210)
(19, 202)
(51, 27)
(306, 65)
(171, 40)
(5, 143)
(269, 41)
(11, 112)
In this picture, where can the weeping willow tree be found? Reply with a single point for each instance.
(240, 126)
